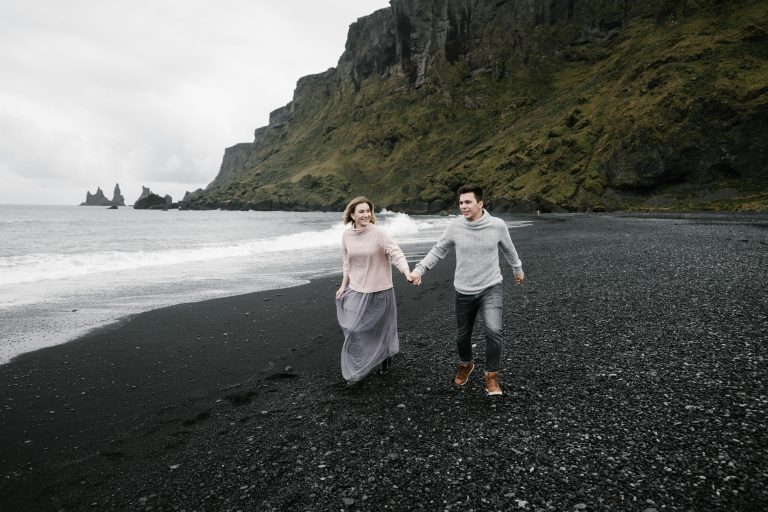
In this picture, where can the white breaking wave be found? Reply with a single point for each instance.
(400, 224)
(44, 266)
(36, 267)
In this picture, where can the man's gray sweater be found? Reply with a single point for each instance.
(477, 247)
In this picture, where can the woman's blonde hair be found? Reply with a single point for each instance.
(350, 209)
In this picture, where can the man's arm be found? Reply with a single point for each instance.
(510, 253)
(437, 253)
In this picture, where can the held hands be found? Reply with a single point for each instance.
(414, 278)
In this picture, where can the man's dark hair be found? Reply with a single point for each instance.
(474, 188)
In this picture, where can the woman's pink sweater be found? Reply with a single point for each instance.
(367, 255)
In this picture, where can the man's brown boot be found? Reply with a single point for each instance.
(462, 376)
(492, 386)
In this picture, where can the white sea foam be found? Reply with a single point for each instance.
(400, 225)
(44, 266)
(36, 267)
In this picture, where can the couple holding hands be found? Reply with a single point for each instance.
(365, 301)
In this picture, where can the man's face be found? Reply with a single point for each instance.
(470, 207)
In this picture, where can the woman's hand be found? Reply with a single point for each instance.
(340, 291)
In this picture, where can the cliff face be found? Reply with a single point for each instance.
(551, 104)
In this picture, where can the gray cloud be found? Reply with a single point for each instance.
(148, 93)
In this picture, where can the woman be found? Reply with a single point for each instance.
(365, 301)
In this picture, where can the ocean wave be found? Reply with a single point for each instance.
(52, 266)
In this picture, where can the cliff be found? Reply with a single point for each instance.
(551, 104)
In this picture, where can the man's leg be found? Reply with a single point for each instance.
(491, 302)
(466, 313)
(491, 305)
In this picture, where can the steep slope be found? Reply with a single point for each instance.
(552, 104)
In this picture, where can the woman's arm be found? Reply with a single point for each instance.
(396, 256)
(344, 270)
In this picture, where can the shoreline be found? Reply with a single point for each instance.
(630, 372)
(161, 363)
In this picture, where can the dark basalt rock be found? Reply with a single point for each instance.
(97, 199)
(117, 197)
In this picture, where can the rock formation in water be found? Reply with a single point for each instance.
(99, 199)
(151, 201)
(117, 197)
(551, 104)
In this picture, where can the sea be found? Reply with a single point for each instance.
(65, 270)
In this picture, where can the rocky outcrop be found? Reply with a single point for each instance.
(189, 198)
(99, 199)
(145, 191)
(553, 104)
(151, 201)
(117, 197)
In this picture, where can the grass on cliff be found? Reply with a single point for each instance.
(550, 130)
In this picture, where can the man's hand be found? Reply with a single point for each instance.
(519, 278)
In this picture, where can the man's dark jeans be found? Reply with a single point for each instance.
(489, 303)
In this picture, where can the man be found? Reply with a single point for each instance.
(476, 238)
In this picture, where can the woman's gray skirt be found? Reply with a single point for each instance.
(369, 323)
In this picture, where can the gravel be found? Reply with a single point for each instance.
(634, 377)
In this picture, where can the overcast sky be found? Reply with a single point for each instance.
(148, 92)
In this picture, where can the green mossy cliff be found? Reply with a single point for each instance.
(551, 104)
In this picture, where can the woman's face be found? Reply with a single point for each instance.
(362, 215)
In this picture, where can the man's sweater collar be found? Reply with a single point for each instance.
(479, 223)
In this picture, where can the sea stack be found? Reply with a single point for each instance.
(151, 201)
(97, 199)
(117, 197)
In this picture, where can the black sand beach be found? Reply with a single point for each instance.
(634, 375)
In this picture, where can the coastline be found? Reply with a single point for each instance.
(74, 400)
(632, 369)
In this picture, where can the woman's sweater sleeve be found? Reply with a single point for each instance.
(344, 260)
(394, 253)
